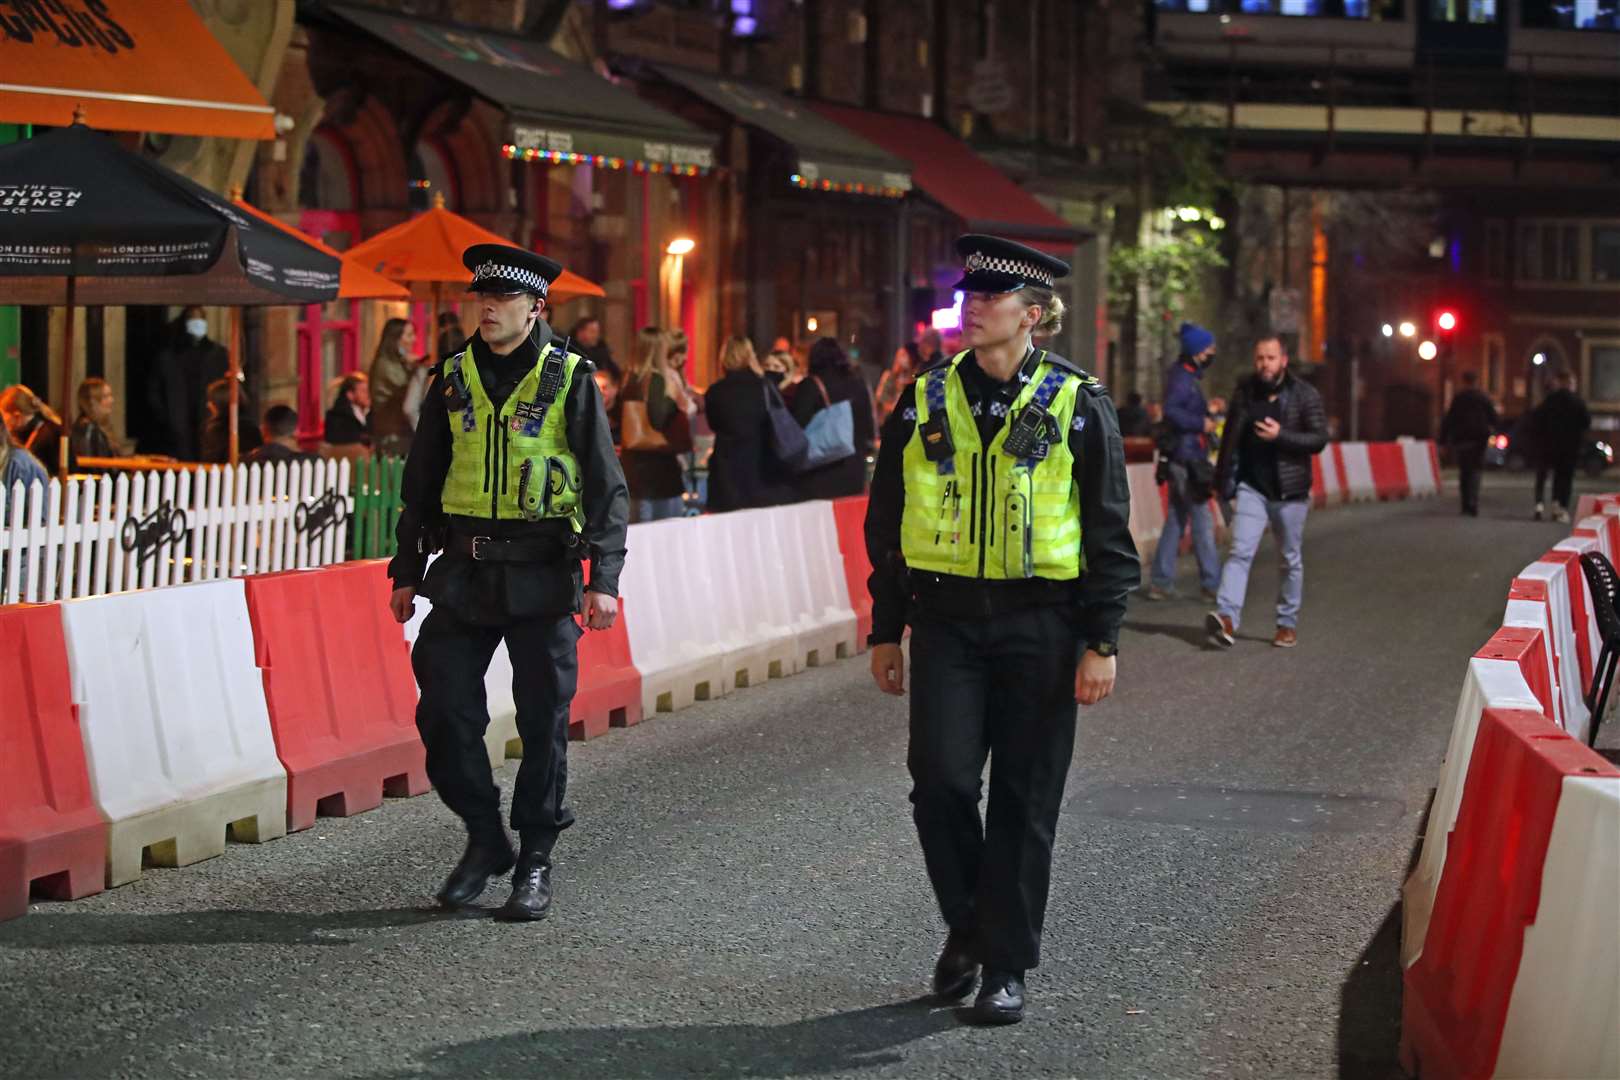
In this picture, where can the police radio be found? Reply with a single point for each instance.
(1032, 433)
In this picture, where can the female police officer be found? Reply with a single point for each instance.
(998, 530)
(512, 473)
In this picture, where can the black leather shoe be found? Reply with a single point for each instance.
(1001, 998)
(531, 891)
(485, 858)
(956, 970)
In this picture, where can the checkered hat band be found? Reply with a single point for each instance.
(517, 275)
(1017, 267)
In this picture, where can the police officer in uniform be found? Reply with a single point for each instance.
(513, 476)
(998, 530)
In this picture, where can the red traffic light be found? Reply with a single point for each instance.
(1446, 320)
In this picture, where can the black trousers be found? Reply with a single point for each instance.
(1000, 688)
(450, 659)
(1470, 465)
(1563, 474)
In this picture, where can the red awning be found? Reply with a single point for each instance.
(946, 169)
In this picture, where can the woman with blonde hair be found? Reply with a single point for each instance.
(743, 472)
(653, 475)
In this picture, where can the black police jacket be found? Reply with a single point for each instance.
(484, 591)
(1112, 570)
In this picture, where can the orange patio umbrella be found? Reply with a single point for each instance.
(425, 254)
(356, 281)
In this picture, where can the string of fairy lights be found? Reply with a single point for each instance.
(513, 152)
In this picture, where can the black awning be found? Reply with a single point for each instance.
(830, 156)
(556, 106)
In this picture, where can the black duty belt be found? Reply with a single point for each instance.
(968, 598)
(490, 549)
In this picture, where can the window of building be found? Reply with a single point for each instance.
(326, 178)
(1529, 252)
(1569, 254)
(1495, 364)
(1495, 252)
(1549, 252)
(1462, 11)
(432, 173)
(1572, 14)
(1602, 382)
(1606, 253)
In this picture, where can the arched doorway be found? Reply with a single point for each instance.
(328, 334)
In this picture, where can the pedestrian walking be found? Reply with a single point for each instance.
(743, 473)
(1557, 433)
(1275, 424)
(832, 379)
(1185, 468)
(1466, 429)
(659, 431)
(512, 473)
(998, 530)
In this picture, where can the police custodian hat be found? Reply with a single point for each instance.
(993, 265)
(502, 268)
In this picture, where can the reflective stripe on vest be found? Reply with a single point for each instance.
(517, 465)
(982, 513)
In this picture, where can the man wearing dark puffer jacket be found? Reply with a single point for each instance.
(1275, 424)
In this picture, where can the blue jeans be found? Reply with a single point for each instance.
(1176, 519)
(656, 509)
(1287, 520)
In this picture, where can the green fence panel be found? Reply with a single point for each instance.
(376, 506)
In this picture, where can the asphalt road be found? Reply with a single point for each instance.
(743, 896)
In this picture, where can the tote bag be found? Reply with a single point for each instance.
(830, 433)
(788, 441)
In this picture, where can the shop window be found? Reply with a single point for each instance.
(1572, 14)
(1606, 253)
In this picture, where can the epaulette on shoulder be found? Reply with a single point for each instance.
(1088, 382)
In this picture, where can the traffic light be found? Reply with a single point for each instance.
(1446, 320)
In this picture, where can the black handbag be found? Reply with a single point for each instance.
(788, 440)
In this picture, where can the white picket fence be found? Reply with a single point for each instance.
(111, 534)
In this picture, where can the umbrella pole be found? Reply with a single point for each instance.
(67, 384)
(236, 384)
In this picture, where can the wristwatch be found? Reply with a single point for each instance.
(1104, 649)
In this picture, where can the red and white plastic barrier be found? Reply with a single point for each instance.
(1512, 963)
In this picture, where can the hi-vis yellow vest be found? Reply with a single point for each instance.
(984, 514)
(517, 464)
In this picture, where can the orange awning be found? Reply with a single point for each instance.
(133, 65)
(425, 253)
(355, 281)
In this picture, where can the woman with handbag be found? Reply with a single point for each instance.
(654, 430)
(743, 471)
(833, 379)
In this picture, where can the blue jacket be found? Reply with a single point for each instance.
(23, 466)
(1185, 411)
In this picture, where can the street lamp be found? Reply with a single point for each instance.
(1428, 350)
(681, 245)
(1389, 331)
(1539, 359)
(1408, 328)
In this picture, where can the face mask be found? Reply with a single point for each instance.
(776, 377)
(197, 328)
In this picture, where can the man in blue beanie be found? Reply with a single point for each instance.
(1186, 469)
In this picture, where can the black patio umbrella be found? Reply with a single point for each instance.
(84, 221)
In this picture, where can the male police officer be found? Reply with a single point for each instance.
(998, 529)
(512, 473)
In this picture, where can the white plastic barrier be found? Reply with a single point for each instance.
(1599, 524)
(1564, 1016)
(1332, 481)
(676, 669)
(1489, 684)
(501, 737)
(756, 648)
(1421, 477)
(176, 732)
(1533, 615)
(1581, 545)
(1571, 687)
(1358, 474)
(812, 576)
(1147, 512)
